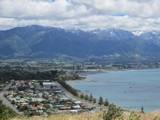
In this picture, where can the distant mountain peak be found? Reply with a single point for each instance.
(138, 33)
(41, 41)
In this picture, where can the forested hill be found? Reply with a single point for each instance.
(48, 42)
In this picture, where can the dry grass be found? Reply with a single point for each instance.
(144, 116)
(84, 116)
(89, 116)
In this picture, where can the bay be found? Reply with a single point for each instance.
(130, 89)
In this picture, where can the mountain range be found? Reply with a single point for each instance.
(49, 42)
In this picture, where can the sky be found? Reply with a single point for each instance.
(132, 15)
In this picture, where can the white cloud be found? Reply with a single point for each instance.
(82, 14)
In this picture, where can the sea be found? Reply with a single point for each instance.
(130, 89)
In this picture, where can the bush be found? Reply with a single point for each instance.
(5, 112)
(112, 113)
(134, 116)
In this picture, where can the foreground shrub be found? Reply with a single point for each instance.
(134, 116)
(5, 112)
(113, 113)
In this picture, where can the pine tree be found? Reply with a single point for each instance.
(106, 103)
(94, 100)
(100, 101)
(82, 96)
(90, 97)
(86, 97)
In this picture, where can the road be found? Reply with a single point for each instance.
(6, 102)
(89, 104)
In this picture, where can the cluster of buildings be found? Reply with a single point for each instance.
(43, 97)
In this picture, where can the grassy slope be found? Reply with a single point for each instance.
(84, 116)
(90, 116)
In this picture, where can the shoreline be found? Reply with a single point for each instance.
(95, 71)
(110, 70)
(87, 72)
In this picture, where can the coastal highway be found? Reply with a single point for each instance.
(89, 104)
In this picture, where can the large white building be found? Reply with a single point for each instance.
(49, 85)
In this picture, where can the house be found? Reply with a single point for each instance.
(49, 85)
(76, 107)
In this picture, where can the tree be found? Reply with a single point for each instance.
(106, 103)
(86, 97)
(142, 110)
(82, 96)
(100, 101)
(90, 97)
(94, 100)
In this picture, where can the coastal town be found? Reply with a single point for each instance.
(40, 88)
(41, 97)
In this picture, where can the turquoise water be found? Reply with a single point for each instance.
(129, 89)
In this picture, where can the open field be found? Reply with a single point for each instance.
(93, 116)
